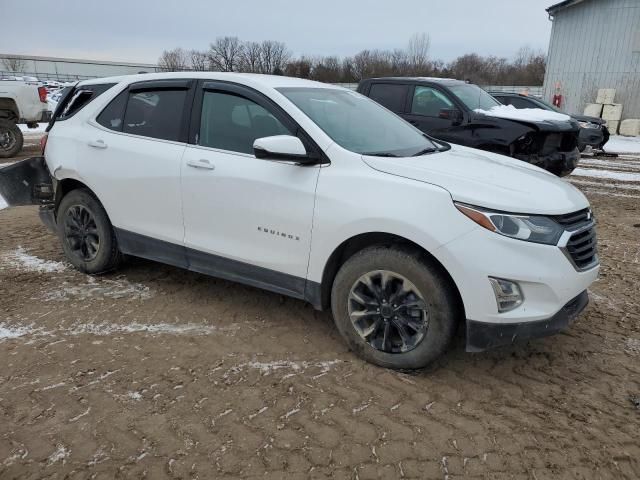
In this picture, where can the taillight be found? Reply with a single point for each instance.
(43, 143)
(42, 91)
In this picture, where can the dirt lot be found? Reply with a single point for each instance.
(154, 372)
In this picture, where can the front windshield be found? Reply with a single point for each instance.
(359, 124)
(548, 105)
(474, 97)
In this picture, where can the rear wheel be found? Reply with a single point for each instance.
(394, 307)
(11, 139)
(87, 236)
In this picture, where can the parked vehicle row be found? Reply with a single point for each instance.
(20, 103)
(593, 130)
(462, 113)
(319, 193)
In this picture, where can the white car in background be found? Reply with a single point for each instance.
(319, 193)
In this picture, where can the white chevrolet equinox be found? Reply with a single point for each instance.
(315, 192)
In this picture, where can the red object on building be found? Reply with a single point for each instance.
(557, 100)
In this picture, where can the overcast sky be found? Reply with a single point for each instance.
(138, 30)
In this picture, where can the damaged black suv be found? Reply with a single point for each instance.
(458, 112)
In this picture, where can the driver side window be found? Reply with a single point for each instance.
(231, 122)
(428, 101)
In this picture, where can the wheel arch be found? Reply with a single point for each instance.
(9, 109)
(359, 242)
(66, 185)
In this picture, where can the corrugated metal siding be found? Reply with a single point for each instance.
(592, 46)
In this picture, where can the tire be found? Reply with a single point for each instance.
(87, 236)
(11, 139)
(439, 299)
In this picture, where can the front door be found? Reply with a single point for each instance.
(245, 218)
(427, 113)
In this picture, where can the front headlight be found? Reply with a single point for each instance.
(530, 228)
(588, 125)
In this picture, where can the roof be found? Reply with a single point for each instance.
(272, 81)
(444, 81)
(562, 5)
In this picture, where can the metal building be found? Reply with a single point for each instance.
(594, 44)
(69, 69)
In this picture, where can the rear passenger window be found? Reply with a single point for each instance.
(231, 122)
(389, 95)
(155, 114)
(81, 97)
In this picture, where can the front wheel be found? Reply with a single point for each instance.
(11, 139)
(394, 307)
(87, 236)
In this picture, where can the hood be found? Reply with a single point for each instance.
(587, 118)
(487, 180)
(543, 120)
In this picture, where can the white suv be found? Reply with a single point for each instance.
(317, 192)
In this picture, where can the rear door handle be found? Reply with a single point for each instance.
(201, 163)
(98, 144)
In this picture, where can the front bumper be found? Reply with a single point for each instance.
(594, 137)
(558, 163)
(483, 336)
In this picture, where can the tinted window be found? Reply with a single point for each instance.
(155, 113)
(79, 98)
(231, 122)
(389, 95)
(428, 101)
(113, 114)
(519, 102)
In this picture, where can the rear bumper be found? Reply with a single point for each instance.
(559, 163)
(482, 335)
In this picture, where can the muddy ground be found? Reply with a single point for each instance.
(154, 372)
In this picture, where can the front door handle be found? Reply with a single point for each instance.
(201, 163)
(98, 144)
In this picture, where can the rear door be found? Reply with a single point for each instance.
(131, 154)
(245, 218)
(390, 95)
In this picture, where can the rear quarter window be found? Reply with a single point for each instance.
(79, 98)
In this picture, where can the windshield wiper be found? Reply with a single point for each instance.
(425, 151)
(380, 154)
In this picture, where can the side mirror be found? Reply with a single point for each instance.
(286, 148)
(452, 114)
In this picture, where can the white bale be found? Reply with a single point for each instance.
(630, 127)
(593, 109)
(612, 112)
(606, 95)
(612, 126)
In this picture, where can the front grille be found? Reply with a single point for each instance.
(574, 220)
(579, 242)
(582, 248)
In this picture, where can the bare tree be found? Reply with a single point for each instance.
(273, 56)
(173, 60)
(199, 60)
(250, 57)
(14, 64)
(225, 54)
(418, 52)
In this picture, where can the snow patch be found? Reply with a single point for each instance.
(594, 173)
(618, 144)
(526, 114)
(7, 331)
(60, 454)
(116, 289)
(40, 129)
(158, 328)
(19, 259)
(3, 203)
(267, 368)
(632, 346)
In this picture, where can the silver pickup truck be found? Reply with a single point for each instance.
(20, 103)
